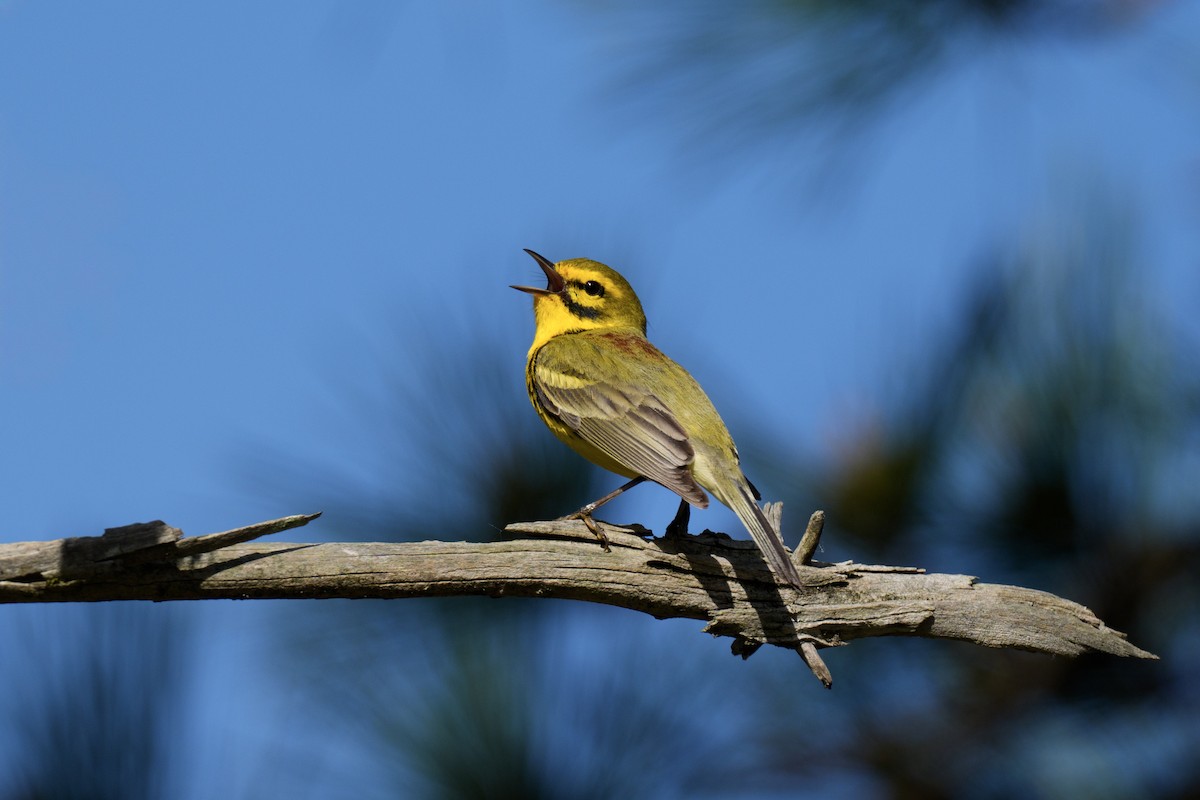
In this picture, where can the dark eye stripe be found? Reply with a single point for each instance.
(592, 289)
(581, 311)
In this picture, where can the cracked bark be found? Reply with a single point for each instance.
(709, 577)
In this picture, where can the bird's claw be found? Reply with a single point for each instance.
(678, 527)
(585, 514)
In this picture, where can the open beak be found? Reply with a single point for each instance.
(554, 281)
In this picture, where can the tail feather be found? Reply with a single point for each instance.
(764, 534)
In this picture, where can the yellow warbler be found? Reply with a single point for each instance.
(604, 389)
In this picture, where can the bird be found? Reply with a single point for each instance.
(617, 400)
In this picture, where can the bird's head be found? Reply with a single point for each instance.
(582, 295)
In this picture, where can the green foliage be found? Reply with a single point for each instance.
(99, 716)
(1030, 455)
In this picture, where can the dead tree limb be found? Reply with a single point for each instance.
(708, 577)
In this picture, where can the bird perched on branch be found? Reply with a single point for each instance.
(602, 387)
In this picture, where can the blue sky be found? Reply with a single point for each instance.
(213, 216)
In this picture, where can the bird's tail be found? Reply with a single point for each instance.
(741, 501)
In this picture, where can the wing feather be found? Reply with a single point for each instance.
(625, 421)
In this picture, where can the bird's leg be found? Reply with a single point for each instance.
(679, 525)
(587, 510)
(585, 513)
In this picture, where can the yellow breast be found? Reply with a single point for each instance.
(562, 431)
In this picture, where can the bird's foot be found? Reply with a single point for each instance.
(678, 527)
(585, 514)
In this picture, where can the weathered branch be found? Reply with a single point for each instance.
(708, 577)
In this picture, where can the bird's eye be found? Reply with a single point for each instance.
(594, 288)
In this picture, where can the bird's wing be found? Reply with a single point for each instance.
(621, 417)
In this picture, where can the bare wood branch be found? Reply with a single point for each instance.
(709, 577)
(810, 540)
(140, 542)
